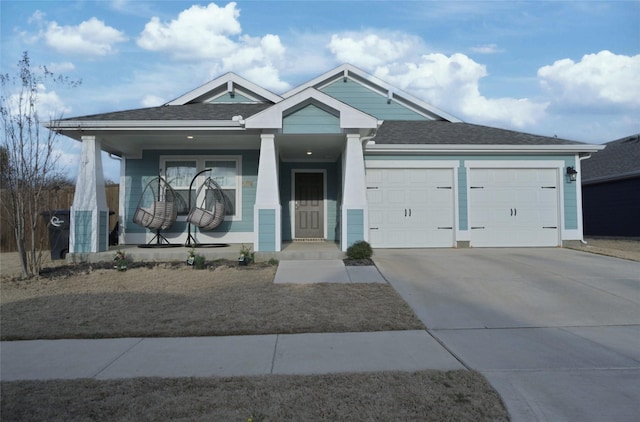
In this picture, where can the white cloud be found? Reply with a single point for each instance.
(48, 104)
(368, 50)
(198, 33)
(62, 67)
(89, 38)
(212, 36)
(447, 82)
(487, 49)
(600, 79)
(452, 84)
(152, 101)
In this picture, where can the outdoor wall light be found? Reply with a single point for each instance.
(572, 174)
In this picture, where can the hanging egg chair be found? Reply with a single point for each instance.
(208, 209)
(157, 209)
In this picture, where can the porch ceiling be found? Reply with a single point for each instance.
(291, 147)
(325, 147)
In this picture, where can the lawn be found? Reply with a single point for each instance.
(175, 300)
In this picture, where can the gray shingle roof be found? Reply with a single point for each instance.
(443, 132)
(620, 158)
(199, 111)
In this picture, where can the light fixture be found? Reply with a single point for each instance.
(572, 174)
(189, 136)
(309, 152)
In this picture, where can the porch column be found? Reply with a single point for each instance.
(354, 212)
(89, 226)
(267, 209)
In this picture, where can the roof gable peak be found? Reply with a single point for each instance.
(348, 71)
(228, 83)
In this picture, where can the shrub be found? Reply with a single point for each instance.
(359, 250)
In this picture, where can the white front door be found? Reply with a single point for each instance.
(513, 207)
(410, 207)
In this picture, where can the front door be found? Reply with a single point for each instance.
(309, 205)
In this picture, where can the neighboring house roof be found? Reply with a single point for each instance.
(198, 111)
(619, 160)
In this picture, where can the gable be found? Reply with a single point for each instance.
(228, 88)
(369, 101)
(310, 119)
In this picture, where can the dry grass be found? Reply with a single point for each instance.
(615, 247)
(424, 395)
(180, 301)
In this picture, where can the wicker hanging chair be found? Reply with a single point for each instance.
(210, 212)
(157, 208)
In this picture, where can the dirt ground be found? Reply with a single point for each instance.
(619, 248)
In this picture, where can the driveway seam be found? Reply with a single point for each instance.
(444, 346)
(275, 351)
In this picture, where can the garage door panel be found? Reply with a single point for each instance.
(415, 203)
(514, 207)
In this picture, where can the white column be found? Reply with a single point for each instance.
(89, 230)
(267, 208)
(354, 189)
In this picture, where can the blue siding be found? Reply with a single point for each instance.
(463, 217)
(311, 119)
(332, 196)
(370, 102)
(355, 226)
(237, 98)
(267, 230)
(570, 192)
(83, 230)
(103, 231)
(140, 171)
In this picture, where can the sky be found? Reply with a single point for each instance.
(569, 69)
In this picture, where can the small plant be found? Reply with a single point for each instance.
(273, 261)
(192, 256)
(246, 255)
(359, 250)
(199, 262)
(122, 260)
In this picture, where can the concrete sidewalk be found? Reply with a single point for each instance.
(223, 356)
(325, 271)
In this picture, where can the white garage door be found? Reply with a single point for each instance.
(410, 207)
(513, 207)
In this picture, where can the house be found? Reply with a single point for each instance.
(342, 158)
(611, 190)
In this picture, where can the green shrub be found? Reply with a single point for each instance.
(359, 250)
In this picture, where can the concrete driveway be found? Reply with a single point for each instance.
(555, 331)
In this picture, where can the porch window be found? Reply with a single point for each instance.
(225, 170)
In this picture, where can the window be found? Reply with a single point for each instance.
(225, 170)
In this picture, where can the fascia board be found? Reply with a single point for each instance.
(141, 124)
(444, 148)
(223, 80)
(350, 118)
(339, 71)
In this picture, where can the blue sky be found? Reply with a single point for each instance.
(564, 68)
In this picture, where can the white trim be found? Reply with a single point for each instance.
(372, 148)
(200, 160)
(350, 118)
(144, 124)
(292, 202)
(514, 164)
(223, 81)
(411, 164)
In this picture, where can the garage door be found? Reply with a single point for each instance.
(513, 207)
(410, 207)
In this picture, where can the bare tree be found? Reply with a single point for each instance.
(29, 159)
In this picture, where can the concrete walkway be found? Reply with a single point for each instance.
(235, 355)
(223, 356)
